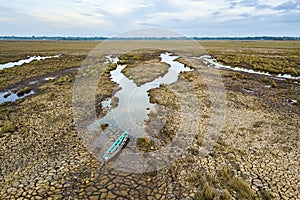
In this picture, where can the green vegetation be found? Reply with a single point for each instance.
(286, 65)
(205, 116)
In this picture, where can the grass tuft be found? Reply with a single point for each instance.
(274, 84)
(8, 127)
(207, 193)
(145, 143)
(192, 178)
(225, 195)
(265, 195)
(24, 91)
(242, 188)
(104, 126)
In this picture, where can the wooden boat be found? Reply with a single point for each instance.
(116, 147)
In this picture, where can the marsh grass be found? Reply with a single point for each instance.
(16, 50)
(106, 88)
(193, 177)
(184, 62)
(274, 84)
(225, 173)
(256, 44)
(72, 55)
(275, 57)
(155, 97)
(223, 185)
(65, 79)
(145, 144)
(225, 195)
(135, 57)
(207, 193)
(189, 76)
(235, 75)
(242, 188)
(265, 195)
(200, 141)
(38, 68)
(143, 66)
(267, 80)
(23, 91)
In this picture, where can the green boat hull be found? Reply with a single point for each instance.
(116, 147)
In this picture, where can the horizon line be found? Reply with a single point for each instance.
(265, 37)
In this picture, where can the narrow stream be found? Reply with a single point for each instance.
(213, 62)
(134, 106)
(28, 60)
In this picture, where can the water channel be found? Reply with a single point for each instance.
(133, 105)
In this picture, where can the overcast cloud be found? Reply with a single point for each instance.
(189, 17)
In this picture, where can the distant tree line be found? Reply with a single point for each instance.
(146, 38)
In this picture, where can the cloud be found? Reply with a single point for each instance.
(213, 11)
(289, 5)
(115, 16)
(116, 7)
(63, 13)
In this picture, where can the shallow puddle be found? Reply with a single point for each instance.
(12, 97)
(28, 60)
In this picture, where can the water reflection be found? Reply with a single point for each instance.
(12, 97)
(134, 105)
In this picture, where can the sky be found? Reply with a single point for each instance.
(113, 17)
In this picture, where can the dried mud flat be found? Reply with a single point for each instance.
(256, 155)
